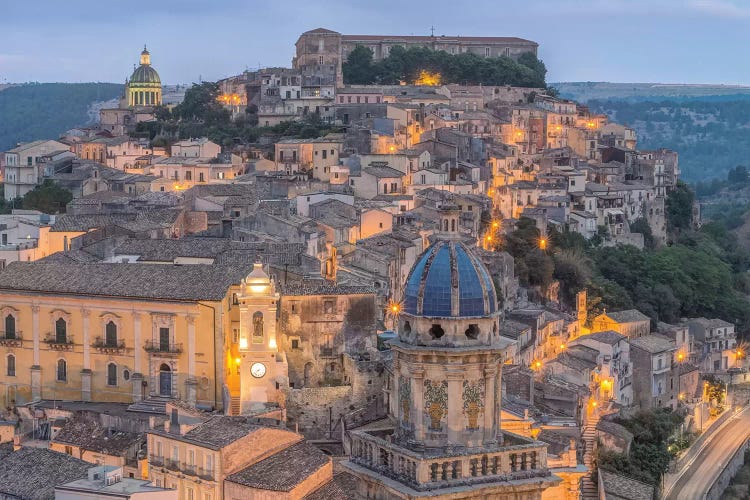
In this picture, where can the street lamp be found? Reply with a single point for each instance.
(543, 243)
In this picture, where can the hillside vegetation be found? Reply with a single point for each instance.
(711, 134)
(45, 110)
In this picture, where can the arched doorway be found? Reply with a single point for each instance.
(165, 380)
(308, 373)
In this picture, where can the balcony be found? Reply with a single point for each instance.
(156, 460)
(11, 339)
(206, 474)
(172, 464)
(59, 344)
(189, 469)
(327, 352)
(163, 349)
(105, 347)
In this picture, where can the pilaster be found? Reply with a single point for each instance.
(455, 411)
(35, 332)
(491, 410)
(85, 313)
(417, 390)
(36, 383)
(137, 380)
(86, 385)
(137, 344)
(190, 318)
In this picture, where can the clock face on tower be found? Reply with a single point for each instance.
(257, 370)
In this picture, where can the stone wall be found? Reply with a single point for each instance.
(315, 410)
(316, 330)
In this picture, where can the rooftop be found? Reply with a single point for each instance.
(284, 470)
(606, 337)
(89, 434)
(215, 433)
(33, 473)
(157, 281)
(653, 343)
(628, 316)
(617, 487)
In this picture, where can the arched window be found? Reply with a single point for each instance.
(110, 334)
(111, 374)
(258, 327)
(62, 369)
(11, 366)
(61, 331)
(10, 327)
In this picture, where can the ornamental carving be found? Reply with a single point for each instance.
(404, 398)
(473, 396)
(436, 403)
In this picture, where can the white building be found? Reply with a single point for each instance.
(21, 170)
(106, 481)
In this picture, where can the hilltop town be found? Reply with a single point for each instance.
(337, 280)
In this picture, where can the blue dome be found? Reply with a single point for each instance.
(447, 272)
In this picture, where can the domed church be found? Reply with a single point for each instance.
(143, 88)
(444, 439)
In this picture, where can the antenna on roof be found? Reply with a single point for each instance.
(432, 31)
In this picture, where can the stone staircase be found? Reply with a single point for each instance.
(234, 406)
(153, 404)
(589, 489)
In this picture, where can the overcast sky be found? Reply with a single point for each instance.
(675, 41)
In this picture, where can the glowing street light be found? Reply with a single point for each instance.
(543, 243)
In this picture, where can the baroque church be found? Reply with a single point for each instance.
(445, 439)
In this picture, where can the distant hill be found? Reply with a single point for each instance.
(44, 110)
(706, 124)
(635, 92)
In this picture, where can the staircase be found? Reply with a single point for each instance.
(153, 404)
(234, 405)
(589, 489)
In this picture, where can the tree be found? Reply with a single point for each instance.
(680, 208)
(48, 198)
(738, 175)
(358, 68)
(573, 270)
(642, 226)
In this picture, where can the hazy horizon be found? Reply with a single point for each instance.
(619, 41)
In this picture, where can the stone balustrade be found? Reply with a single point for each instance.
(446, 468)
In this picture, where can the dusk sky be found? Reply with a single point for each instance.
(675, 41)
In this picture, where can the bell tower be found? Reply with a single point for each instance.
(263, 369)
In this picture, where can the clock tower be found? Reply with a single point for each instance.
(263, 369)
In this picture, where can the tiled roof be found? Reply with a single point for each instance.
(617, 487)
(628, 316)
(605, 337)
(33, 473)
(217, 432)
(323, 288)
(653, 343)
(284, 470)
(384, 172)
(157, 281)
(89, 434)
(83, 223)
(343, 486)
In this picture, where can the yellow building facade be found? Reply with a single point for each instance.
(118, 332)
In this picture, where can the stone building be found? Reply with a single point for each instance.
(118, 332)
(445, 439)
(323, 51)
(318, 324)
